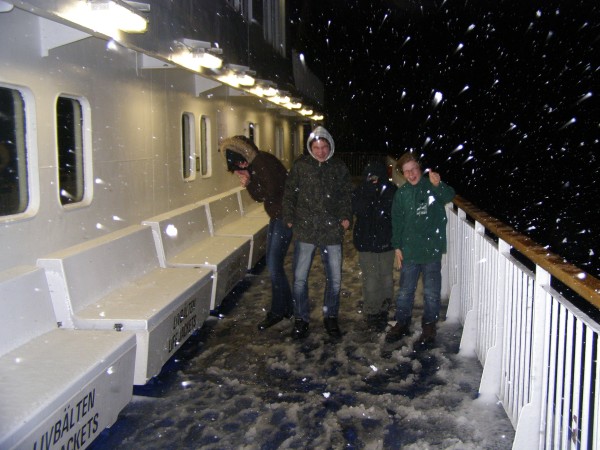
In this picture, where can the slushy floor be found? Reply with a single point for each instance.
(233, 387)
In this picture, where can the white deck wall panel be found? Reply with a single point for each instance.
(135, 133)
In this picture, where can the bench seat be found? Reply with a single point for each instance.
(250, 207)
(58, 387)
(116, 283)
(184, 238)
(228, 219)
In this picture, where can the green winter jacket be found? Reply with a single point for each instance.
(317, 199)
(419, 221)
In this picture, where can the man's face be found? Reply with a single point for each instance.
(320, 150)
(412, 172)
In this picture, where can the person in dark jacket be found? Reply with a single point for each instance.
(419, 241)
(372, 207)
(264, 176)
(317, 205)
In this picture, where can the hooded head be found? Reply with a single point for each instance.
(375, 170)
(320, 134)
(237, 150)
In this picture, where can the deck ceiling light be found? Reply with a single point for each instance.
(280, 99)
(235, 75)
(264, 88)
(105, 16)
(306, 112)
(195, 55)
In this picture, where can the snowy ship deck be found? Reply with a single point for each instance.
(231, 386)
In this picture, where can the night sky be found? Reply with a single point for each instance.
(500, 97)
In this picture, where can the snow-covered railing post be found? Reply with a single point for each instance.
(530, 425)
(490, 386)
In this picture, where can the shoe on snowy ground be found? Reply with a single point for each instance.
(269, 321)
(377, 322)
(332, 327)
(300, 330)
(397, 332)
(428, 334)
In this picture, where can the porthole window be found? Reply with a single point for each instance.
(205, 138)
(253, 132)
(188, 149)
(279, 142)
(14, 183)
(69, 135)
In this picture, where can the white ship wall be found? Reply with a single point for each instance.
(135, 136)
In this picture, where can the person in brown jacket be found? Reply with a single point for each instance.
(264, 176)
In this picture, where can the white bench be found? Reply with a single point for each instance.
(250, 207)
(228, 219)
(116, 282)
(184, 238)
(59, 388)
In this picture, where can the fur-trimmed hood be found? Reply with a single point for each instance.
(241, 145)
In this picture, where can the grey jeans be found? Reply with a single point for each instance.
(377, 280)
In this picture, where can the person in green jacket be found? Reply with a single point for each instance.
(318, 208)
(419, 241)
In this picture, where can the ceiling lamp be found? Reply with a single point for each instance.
(280, 99)
(105, 16)
(195, 55)
(237, 76)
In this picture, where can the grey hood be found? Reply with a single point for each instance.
(320, 133)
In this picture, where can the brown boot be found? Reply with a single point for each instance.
(397, 332)
(428, 334)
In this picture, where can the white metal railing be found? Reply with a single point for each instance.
(539, 351)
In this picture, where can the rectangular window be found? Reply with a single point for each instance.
(279, 142)
(237, 5)
(274, 25)
(204, 158)
(252, 131)
(14, 192)
(188, 150)
(257, 11)
(69, 133)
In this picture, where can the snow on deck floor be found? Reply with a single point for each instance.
(233, 387)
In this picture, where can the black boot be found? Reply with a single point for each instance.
(332, 327)
(300, 330)
(269, 321)
(377, 322)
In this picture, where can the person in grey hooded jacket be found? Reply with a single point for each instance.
(317, 206)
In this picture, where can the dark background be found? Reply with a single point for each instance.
(516, 131)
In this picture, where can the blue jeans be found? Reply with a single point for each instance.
(432, 286)
(331, 255)
(279, 237)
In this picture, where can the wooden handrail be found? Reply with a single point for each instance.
(586, 285)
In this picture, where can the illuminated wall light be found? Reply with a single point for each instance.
(195, 60)
(230, 79)
(257, 90)
(245, 80)
(296, 105)
(104, 16)
(280, 100)
(209, 61)
(306, 112)
(317, 117)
